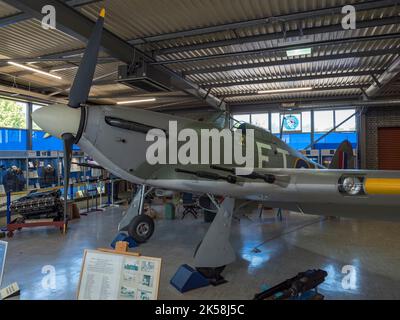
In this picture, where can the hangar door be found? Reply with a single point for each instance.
(389, 148)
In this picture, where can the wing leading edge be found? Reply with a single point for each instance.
(347, 193)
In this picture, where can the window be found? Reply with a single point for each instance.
(34, 125)
(341, 115)
(323, 121)
(275, 123)
(242, 117)
(260, 120)
(306, 121)
(12, 114)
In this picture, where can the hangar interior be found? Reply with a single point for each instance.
(289, 67)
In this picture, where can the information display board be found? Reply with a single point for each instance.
(3, 252)
(118, 276)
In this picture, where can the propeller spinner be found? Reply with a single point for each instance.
(64, 121)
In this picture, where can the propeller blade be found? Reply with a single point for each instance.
(83, 80)
(68, 140)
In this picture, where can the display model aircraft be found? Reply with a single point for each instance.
(115, 136)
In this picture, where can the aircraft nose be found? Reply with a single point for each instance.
(58, 119)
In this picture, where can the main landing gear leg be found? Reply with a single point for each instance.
(138, 225)
(215, 251)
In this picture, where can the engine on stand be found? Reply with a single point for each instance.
(39, 205)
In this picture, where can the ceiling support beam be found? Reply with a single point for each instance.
(285, 62)
(311, 104)
(77, 25)
(19, 17)
(290, 79)
(15, 18)
(384, 80)
(22, 92)
(318, 89)
(277, 36)
(282, 48)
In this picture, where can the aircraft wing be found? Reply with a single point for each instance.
(347, 193)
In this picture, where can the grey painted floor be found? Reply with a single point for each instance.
(298, 243)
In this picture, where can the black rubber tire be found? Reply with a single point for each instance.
(141, 221)
(211, 273)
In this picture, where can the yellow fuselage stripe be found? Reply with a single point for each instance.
(382, 186)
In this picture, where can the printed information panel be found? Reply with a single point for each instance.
(118, 276)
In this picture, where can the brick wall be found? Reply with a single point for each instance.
(377, 118)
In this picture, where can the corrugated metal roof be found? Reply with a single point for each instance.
(135, 19)
(275, 44)
(320, 83)
(276, 28)
(278, 57)
(283, 71)
(29, 39)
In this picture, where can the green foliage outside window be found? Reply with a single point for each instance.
(12, 114)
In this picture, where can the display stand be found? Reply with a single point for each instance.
(92, 195)
(120, 247)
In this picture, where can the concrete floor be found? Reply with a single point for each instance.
(298, 243)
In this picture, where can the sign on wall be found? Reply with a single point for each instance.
(118, 276)
(292, 122)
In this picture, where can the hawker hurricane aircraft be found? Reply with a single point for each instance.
(120, 137)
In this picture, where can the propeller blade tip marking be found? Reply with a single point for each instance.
(103, 13)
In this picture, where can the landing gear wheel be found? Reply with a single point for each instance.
(141, 228)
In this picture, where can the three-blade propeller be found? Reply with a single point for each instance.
(79, 94)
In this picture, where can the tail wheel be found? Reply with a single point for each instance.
(141, 228)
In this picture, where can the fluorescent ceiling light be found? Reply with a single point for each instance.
(298, 52)
(137, 101)
(285, 90)
(34, 70)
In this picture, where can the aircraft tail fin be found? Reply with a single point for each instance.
(344, 157)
